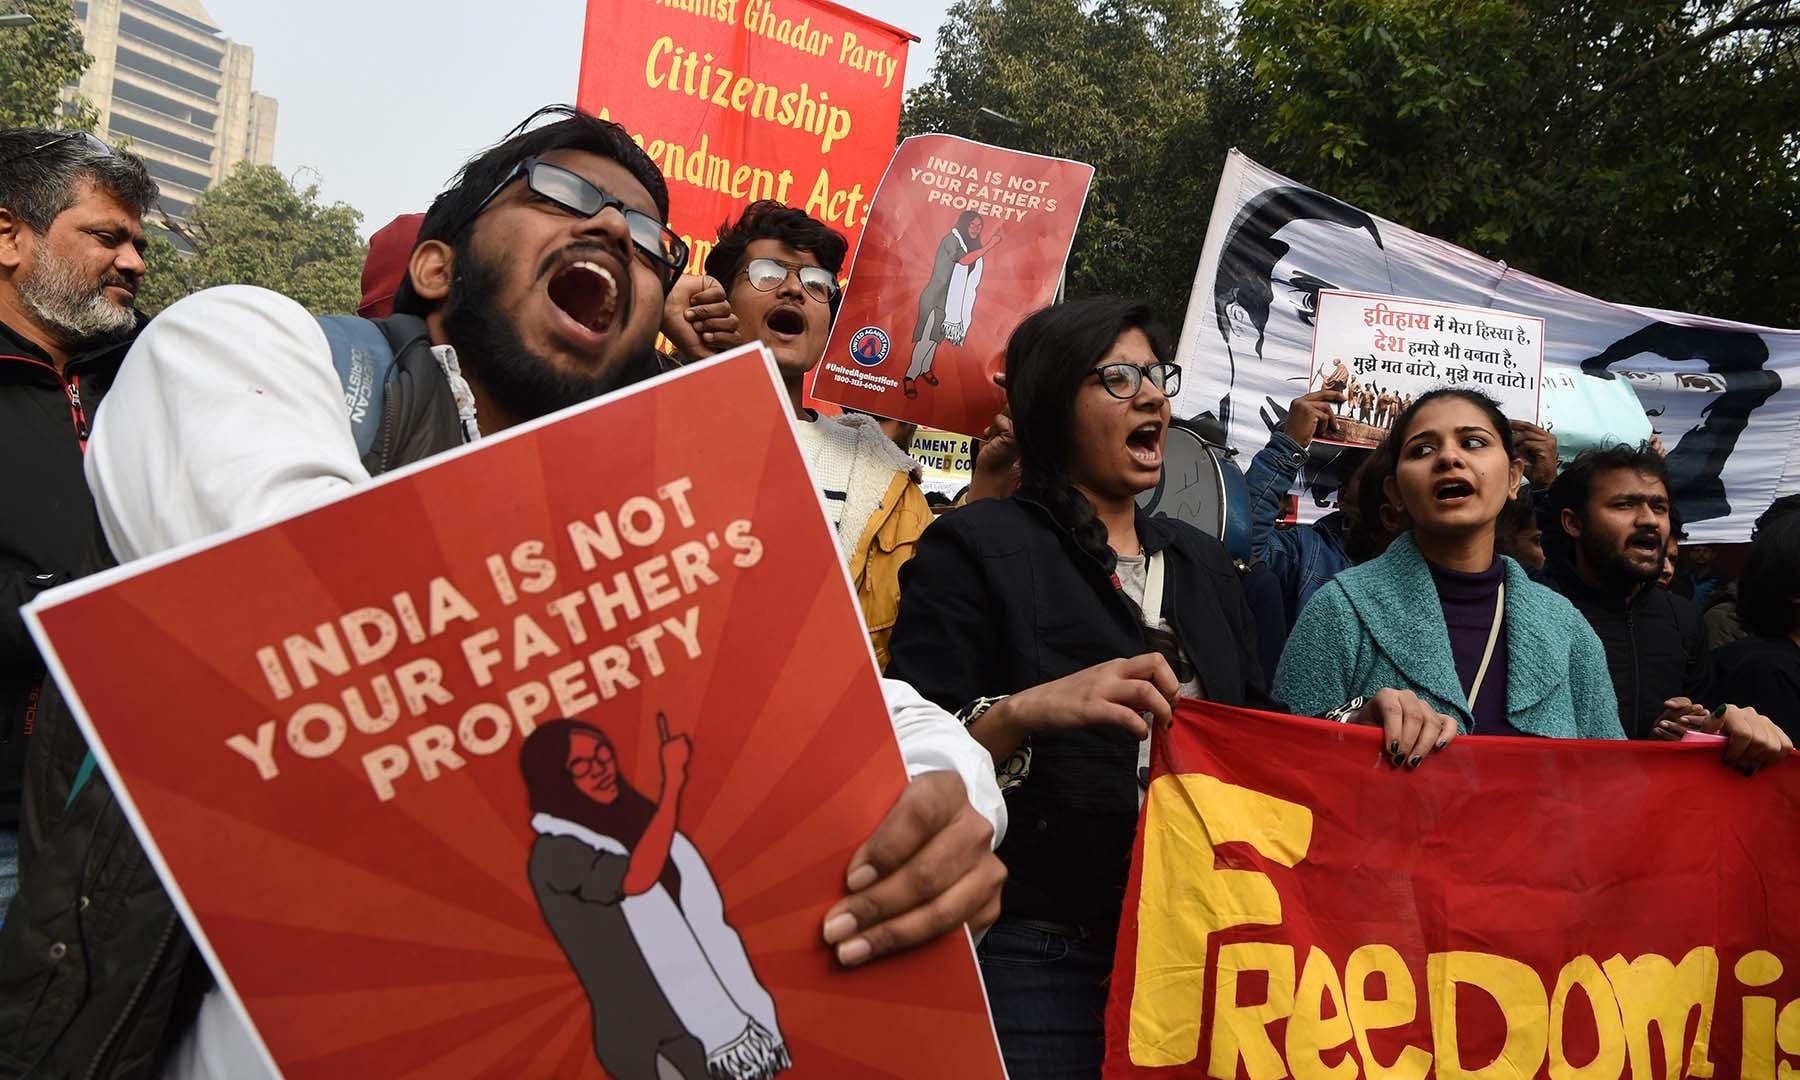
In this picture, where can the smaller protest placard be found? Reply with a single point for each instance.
(948, 460)
(1383, 352)
(499, 767)
(963, 241)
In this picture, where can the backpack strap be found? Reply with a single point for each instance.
(364, 359)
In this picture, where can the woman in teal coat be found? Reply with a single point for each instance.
(1439, 612)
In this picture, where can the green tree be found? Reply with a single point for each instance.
(1146, 91)
(258, 228)
(1640, 150)
(37, 61)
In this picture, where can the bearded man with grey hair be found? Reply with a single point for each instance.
(71, 258)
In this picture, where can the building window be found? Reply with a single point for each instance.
(168, 39)
(81, 10)
(169, 107)
(152, 228)
(142, 132)
(169, 73)
(174, 207)
(176, 17)
(185, 177)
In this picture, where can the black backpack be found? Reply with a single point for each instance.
(97, 970)
(397, 396)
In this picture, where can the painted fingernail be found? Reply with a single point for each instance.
(852, 953)
(1443, 743)
(1414, 763)
(839, 927)
(1394, 748)
(860, 878)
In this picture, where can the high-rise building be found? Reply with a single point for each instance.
(166, 78)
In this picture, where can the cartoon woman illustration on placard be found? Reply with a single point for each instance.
(947, 305)
(636, 911)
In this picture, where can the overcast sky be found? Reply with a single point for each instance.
(385, 98)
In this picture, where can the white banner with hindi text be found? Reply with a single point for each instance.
(1723, 396)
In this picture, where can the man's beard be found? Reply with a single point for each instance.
(493, 355)
(1614, 568)
(73, 309)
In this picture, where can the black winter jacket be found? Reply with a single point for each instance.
(97, 971)
(998, 599)
(49, 533)
(1655, 646)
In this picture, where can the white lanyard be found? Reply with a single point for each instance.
(1153, 591)
(1493, 637)
(1152, 612)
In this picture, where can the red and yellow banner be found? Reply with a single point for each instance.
(965, 240)
(1514, 908)
(739, 100)
(504, 767)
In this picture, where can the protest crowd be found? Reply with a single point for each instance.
(1033, 637)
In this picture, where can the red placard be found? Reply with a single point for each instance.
(336, 736)
(964, 241)
(1515, 908)
(738, 100)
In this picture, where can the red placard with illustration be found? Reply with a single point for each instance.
(1515, 908)
(543, 758)
(963, 242)
(739, 100)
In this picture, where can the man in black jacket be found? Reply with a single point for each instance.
(1612, 506)
(70, 261)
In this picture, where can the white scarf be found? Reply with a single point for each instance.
(698, 960)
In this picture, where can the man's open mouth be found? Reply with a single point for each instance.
(786, 320)
(587, 293)
(1145, 442)
(1646, 543)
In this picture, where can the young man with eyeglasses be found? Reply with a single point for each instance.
(780, 268)
(538, 281)
(70, 262)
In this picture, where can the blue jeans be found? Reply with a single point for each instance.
(1047, 992)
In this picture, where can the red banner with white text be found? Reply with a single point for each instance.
(1514, 908)
(739, 100)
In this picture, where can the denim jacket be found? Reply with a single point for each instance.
(1304, 557)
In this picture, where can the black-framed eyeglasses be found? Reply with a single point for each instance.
(574, 194)
(767, 274)
(92, 141)
(582, 768)
(1123, 380)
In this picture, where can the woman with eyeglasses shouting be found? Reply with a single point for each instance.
(1062, 623)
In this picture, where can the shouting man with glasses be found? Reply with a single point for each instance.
(538, 281)
(70, 262)
(780, 268)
